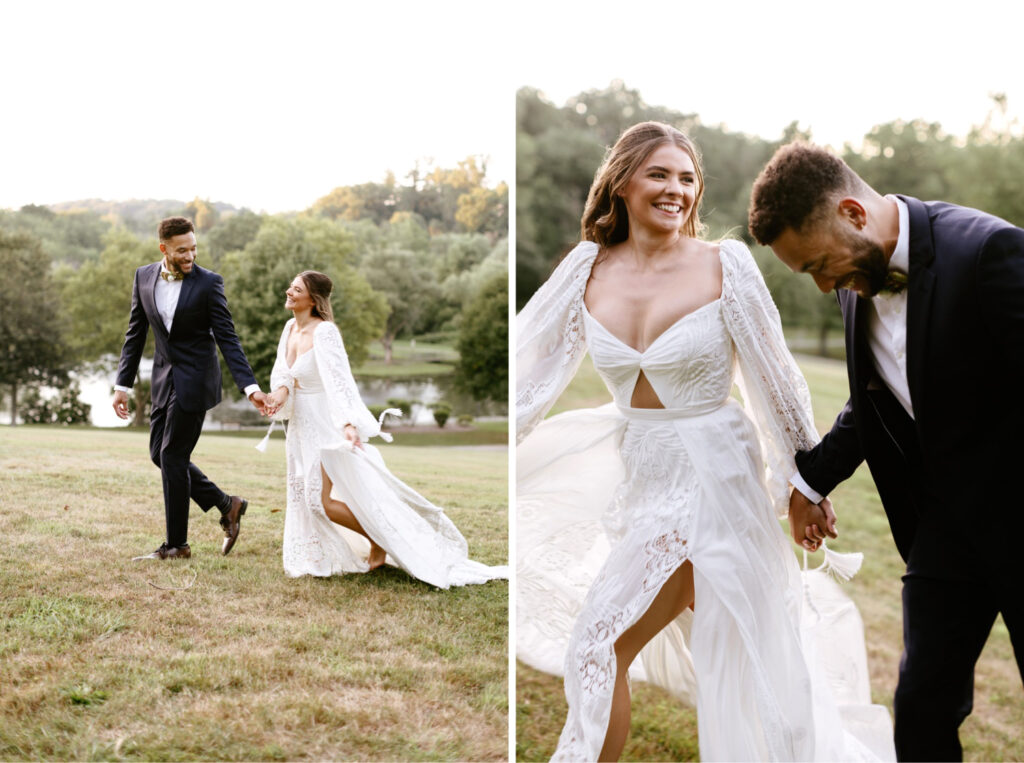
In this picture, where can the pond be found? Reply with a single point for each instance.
(422, 392)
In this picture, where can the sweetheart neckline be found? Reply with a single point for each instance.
(657, 339)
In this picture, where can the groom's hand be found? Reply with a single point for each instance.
(121, 404)
(259, 401)
(809, 522)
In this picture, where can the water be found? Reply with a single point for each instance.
(422, 392)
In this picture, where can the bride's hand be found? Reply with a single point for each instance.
(352, 435)
(275, 400)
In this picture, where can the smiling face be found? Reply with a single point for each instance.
(296, 297)
(661, 194)
(179, 253)
(836, 255)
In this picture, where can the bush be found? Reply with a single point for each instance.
(464, 420)
(442, 411)
(401, 403)
(65, 409)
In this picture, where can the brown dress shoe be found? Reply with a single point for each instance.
(167, 552)
(231, 521)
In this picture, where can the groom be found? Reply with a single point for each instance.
(932, 297)
(186, 307)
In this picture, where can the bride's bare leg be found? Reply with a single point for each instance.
(675, 596)
(339, 513)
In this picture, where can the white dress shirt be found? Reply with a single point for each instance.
(887, 334)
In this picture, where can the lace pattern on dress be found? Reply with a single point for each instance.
(774, 391)
(550, 338)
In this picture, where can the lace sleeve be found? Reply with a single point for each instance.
(550, 342)
(344, 403)
(774, 391)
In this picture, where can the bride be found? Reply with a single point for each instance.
(342, 500)
(650, 526)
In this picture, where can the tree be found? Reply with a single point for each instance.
(231, 234)
(483, 209)
(32, 348)
(482, 370)
(97, 300)
(255, 280)
(409, 287)
(202, 213)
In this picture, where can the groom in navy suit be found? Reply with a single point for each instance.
(188, 311)
(932, 297)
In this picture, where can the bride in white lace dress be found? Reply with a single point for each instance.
(631, 514)
(346, 512)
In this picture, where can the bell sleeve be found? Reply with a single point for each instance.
(550, 339)
(345, 406)
(775, 393)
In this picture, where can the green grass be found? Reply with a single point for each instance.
(664, 729)
(97, 663)
(410, 360)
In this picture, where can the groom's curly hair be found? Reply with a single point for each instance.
(174, 226)
(793, 188)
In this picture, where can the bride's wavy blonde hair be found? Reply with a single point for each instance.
(319, 287)
(605, 221)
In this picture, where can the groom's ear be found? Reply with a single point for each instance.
(853, 212)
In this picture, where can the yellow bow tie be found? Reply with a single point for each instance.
(895, 282)
(169, 276)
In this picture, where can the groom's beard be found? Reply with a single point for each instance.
(870, 264)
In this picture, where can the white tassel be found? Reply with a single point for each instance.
(386, 436)
(841, 566)
(262, 446)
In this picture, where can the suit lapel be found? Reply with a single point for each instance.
(919, 297)
(148, 290)
(187, 286)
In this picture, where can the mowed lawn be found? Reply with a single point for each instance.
(99, 663)
(664, 729)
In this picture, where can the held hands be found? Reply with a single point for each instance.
(259, 401)
(352, 435)
(121, 404)
(274, 401)
(810, 523)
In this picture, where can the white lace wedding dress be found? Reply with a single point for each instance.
(417, 535)
(611, 501)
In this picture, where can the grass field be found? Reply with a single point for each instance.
(410, 359)
(664, 729)
(99, 663)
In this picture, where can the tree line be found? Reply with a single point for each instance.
(428, 256)
(559, 148)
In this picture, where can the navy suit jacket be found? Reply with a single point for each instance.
(185, 359)
(965, 369)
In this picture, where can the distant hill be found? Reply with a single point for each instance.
(141, 216)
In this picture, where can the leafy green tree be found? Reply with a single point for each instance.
(97, 300)
(32, 347)
(231, 234)
(482, 370)
(408, 285)
(256, 278)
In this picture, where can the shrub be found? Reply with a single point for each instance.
(442, 411)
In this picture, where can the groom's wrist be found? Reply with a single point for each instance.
(248, 391)
(808, 492)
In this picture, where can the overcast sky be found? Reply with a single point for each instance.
(271, 105)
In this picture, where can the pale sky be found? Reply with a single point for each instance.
(270, 105)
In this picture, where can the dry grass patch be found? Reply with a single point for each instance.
(244, 663)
